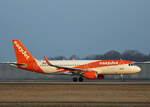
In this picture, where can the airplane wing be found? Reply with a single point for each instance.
(65, 68)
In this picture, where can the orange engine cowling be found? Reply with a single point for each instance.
(90, 75)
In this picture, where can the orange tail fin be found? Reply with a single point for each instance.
(24, 57)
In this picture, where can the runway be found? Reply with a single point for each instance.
(105, 93)
(77, 83)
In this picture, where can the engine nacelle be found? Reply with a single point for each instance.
(93, 75)
(90, 75)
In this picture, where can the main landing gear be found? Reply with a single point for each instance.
(75, 79)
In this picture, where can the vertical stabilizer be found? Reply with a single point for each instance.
(25, 58)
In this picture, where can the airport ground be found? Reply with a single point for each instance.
(69, 94)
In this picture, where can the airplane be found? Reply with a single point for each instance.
(78, 69)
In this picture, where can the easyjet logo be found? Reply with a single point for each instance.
(108, 63)
(21, 50)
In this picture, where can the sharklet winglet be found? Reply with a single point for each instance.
(47, 61)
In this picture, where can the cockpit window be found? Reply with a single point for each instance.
(131, 64)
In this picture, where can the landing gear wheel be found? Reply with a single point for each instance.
(80, 79)
(122, 77)
(75, 79)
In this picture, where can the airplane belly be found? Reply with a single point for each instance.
(48, 69)
(110, 70)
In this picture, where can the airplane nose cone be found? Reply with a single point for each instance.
(138, 69)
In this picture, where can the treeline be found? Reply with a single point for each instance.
(132, 55)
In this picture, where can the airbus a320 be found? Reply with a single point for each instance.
(78, 69)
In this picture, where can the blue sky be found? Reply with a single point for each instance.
(81, 27)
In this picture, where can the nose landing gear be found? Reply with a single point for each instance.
(122, 77)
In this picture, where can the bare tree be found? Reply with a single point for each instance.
(112, 55)
(133, 55)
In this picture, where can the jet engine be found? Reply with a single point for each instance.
(93, 75)
(90, 75)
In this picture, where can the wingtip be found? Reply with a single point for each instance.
(44, 57)
(46, 60)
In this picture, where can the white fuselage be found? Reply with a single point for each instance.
(109, 70)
